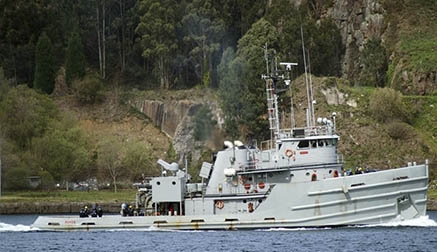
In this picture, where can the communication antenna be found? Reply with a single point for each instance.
(309, 109)
(287, 82)
(313, 102)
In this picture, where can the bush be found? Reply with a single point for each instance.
(400, 131)
(16, 179)
(374, 62)
(89, 90)
(47, 181)
(386, 105)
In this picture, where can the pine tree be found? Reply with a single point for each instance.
(44, 65)
(75, 59)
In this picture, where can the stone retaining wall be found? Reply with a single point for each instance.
(53, 208)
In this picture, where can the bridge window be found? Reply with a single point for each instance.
(322, 143)
(313, 144)
(303, 144)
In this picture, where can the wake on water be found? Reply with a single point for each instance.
(4, 227)
(422, 221)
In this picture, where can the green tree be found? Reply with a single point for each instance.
(74, 59)
(25, 114)
(158, 38)
(45, 69)
(138, 160)
(21, 24)
(110, 156)
(62, 151)
(16, 178)
(4, 87)
(47, 180)
(203, 124)
(232, 92)
(325, 48)
(322, 39)
(374, 62)
(250, 51)
(89, 90)
(204, 32)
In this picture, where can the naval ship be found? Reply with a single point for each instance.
(296, 179)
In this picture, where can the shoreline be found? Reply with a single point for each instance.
(7, 208)
(54, 207)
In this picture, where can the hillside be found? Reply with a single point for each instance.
(360, 44)
(112, 118)
(365, 141)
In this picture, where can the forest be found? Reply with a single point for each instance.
(84, 47)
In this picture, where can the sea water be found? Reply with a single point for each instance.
(415, 235)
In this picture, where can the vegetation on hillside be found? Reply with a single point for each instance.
(39, 139)
(109, 48)
(412, 43)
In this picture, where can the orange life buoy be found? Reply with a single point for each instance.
(261, 185)
(247, 186)
(335, 173)
(314, 177)
(289, 152)
(219, 204)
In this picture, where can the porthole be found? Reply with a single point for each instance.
(158, 183)
(173, 183)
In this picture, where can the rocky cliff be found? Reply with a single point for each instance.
(358, 21)
(174, 116)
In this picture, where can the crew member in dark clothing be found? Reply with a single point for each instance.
(100, 211)
(84, 212)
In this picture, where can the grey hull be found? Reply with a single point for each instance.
(370, 198)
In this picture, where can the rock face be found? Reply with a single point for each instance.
(335, 97)
(167, 116)
(175, 118)
(358, 21)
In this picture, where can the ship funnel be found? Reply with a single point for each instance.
(171, 167)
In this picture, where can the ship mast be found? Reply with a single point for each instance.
(272, 78)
